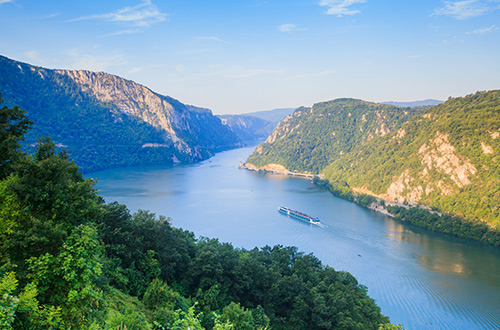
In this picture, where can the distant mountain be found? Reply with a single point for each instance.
(253, 127)
(107, 121)
(311, 138)
(273, 116)
(423, 103)
(249, 129)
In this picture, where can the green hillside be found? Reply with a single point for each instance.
(312, 138)
(443, 158)
(446, 158)
(105, 121)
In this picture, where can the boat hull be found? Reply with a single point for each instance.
(298, 215)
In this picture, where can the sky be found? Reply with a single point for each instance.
(239, 56)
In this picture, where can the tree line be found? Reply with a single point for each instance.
(68, 260)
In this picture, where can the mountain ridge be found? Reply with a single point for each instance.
(312, 137)
(151, 128)
(444, 158)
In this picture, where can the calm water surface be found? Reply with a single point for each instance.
(421, 279)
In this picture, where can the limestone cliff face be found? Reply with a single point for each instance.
(446, 158)
(181, 123)
(107, 121)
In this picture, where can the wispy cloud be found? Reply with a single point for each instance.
(34, 56)
(211, 38)
(118, 33)
(341, 7)
(464, 9)
(414, 56)
(5, 1)
(289, 28)
(142, 15)
(485, 30)
(135, 70)
(85, 61)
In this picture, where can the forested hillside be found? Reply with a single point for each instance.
(312, 138)
(107, 121)
(446, 158)
(70, 261)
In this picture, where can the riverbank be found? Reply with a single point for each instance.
(419, 215)
(277, 169)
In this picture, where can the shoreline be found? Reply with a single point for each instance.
(276, 169)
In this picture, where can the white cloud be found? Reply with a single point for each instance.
(142, 15)
(128, 31)
(83, 61)
(463, 9)
(288, 28)
(485, 30)
(34, 56)
(5, 1)
(135, 70)
(341, 7)
(211, 38)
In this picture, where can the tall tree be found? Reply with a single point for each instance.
(13, 125)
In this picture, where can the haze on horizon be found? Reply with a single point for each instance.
(251, 55)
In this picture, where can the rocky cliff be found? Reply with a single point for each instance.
(311, 138)
(446, 158)
(107, 121)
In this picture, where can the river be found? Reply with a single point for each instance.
(419, 278)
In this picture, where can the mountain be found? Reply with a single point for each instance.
(256, 126)
(311, 138)
(249, 129)
(273, 116)
(108, 121)
(446, 158)
(423, 103)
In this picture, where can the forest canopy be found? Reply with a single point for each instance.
(68, 261)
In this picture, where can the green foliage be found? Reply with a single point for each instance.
(433, 151)
(121, 311)
(312, 138)
(476, 230)
(67, 279)
(22, 311)
(46, 199)
(13, 126)
(445, 158)
(240, 317)
(98, 134)
(389, 326)
(162, 302)
(69, 261)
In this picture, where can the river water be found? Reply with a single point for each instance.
(419, 278)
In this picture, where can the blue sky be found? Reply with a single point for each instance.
(249, 55)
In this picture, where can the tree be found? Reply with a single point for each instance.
(42, 204)
(13, 126)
